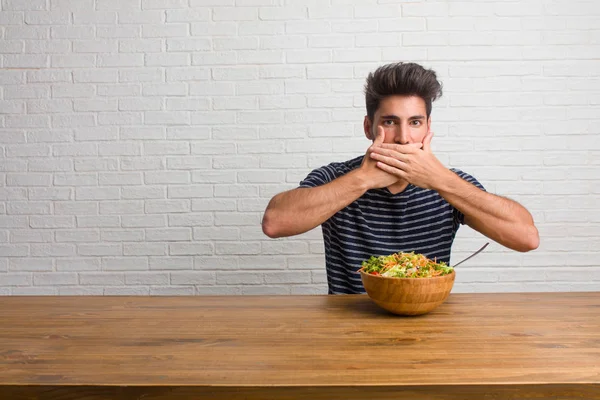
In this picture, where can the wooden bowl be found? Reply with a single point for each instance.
(408, 296)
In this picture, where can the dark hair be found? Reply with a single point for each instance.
(405, 79)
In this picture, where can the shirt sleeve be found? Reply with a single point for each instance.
(459, 217)
(320, 176)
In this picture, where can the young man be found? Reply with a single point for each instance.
(398, 196)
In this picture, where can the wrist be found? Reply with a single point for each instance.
(359, 181)
(443, 182)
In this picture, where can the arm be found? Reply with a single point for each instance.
(502, 220)
(302, 209)
(499, 218)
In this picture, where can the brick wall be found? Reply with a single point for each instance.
(142, 139)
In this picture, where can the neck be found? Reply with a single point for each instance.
(398, 186)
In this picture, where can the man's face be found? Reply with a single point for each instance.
(403, 118)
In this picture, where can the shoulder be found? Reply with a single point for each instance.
(467, 177)
(344, 167)
(329, 172)
(460, 173)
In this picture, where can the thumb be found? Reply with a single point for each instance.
(380, 135)
(427, 142)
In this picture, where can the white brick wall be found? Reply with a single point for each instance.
(140, 140)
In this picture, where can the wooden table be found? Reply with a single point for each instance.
(492, 346)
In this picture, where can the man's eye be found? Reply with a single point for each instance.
(416, 123)
(388, 122)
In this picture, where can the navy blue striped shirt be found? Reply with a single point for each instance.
(382, 223)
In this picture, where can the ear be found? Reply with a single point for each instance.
(428, 125)
(367, 126)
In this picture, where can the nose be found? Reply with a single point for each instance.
(401, 135)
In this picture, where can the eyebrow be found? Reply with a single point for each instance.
(397, 117)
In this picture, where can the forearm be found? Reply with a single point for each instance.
(300, 210)
(502, 220)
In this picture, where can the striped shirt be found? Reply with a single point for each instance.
(382, 223)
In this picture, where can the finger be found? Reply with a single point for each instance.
(378, 152)
(403, 148)
(427, 142)
(391, 170)
(391, 161)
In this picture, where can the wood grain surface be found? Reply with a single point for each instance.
(68, 347)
